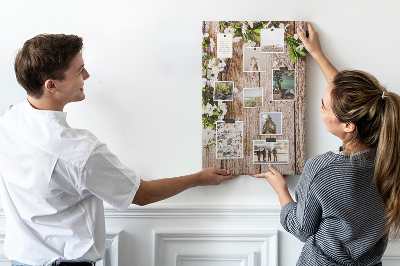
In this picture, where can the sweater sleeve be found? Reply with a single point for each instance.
(302, 218)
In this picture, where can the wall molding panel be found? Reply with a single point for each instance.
(241, 260)
(240, 247)
(112, 254)
(202, 211)
(391, 260)
(201, 235)
(3, 258)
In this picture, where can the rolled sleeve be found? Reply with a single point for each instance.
(302, 218)
(108, 179)
(286, 211)
(290, 222)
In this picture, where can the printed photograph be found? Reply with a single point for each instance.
(283, 85)
(254, 60)
(270, 152)
(272, 40)
(271, 123)
(229, 140)
(223, 90)
(252, 97)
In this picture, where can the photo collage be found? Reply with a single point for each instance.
(229, 134)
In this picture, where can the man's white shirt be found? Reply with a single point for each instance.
(53, 182)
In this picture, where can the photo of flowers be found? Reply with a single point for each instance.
(223, 90)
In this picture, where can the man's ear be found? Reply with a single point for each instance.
(349, 127)
(50, 85)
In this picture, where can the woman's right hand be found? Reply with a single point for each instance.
(312, 43)
(313, 46)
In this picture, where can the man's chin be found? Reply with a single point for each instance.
(81, 98)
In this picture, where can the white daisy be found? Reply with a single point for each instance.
(237, 39)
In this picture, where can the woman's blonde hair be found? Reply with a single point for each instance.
(358, 97)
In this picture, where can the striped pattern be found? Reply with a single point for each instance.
(338, 211)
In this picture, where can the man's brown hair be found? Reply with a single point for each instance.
(45, 56)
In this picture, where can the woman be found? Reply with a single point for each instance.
(341, 215)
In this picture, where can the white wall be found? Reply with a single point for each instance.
(144, 95)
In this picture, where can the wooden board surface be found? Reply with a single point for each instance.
(231, 69)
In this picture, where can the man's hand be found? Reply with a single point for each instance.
(213, 176)
(160, 189)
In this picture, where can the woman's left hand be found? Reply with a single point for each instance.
(274, 178)
(278, 183)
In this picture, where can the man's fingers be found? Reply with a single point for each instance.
(222, 171)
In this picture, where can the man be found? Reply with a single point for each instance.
(54, 178)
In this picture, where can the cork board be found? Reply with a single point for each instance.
(253, 96)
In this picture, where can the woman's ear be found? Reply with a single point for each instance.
(349, 127)
(50, 86)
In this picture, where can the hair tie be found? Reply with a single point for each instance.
(383, 95)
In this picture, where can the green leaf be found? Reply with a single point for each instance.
(292, 56)
(209, 145)
(251, 38)
(258, 25)
(291, 40)
(257, 34)
(204, 96)
(239, 31)
(301, 52)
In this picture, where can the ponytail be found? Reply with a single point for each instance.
(387, 166)
(359, 98)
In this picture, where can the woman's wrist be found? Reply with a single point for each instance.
(284, 198)
(319, 56)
